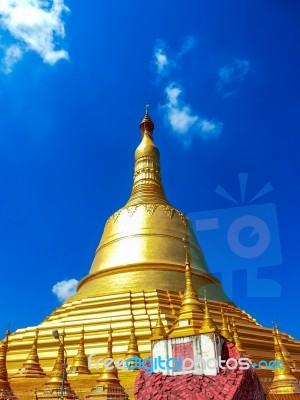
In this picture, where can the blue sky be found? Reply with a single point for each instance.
(222, 80)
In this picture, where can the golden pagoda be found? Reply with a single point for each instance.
(108, 385)
(31, 368)
(139, 272)
(284, 381)
(5, 389)
(190, 316)
(53, 385)
(208, 324)
(225, 330)
(80, 361)
(159, 331)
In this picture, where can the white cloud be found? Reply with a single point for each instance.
(161, 61)
(232, 74)
(64, 289)
(189, 43)
(184, 122)
(164, 62)
(179, 115)
(35, 25)
(12, 55)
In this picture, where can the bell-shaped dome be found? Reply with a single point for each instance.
(141, 246)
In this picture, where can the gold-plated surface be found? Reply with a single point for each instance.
(98, 312)
(284, 381)
(108, 383)
(80, 362)
(159, 331)
(285, 353)
(5, 389)
(138, 271)
(236, 339)
(225, 328)
(31, 368)
(53, 384)
(3, 370)
(133, 349)
(189, 319)
(143, 238)
(208, 324)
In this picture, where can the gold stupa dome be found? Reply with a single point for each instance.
(141, 246)
(146, 147)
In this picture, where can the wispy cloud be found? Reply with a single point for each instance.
(34, 25)
(184, 121)
(65, 289)
(164, 62)
(161, 60)
(12, 55)
(189, 43)
(232, 74)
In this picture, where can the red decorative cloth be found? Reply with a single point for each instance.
(230, 384)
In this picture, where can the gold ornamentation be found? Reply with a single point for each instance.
(159, 331)
(284, 381)
(116, 215)
(131, 210)
(80, 362)
(170, 211)
(182, 217)
(150, 208)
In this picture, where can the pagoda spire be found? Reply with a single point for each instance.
(108, 383)
(5, 390)
(3, 351)
(285, 353)
(133, 349)
(225, 328)
(237, 340)
(189, 319)
(284, 382)
(229, 326)
(159, 331)
(208, 324)
(31, 368)
(80, 362)
(147, 186)
(54, 383)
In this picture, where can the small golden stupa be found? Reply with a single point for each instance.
(135, 286)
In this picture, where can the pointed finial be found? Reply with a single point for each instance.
(225, 329)
(208, 324)
(236, 338)
(109, 342)
(31, 367)
(186, 245)
(63, 335)
(80, 362)
(189, 319)
(229, 325)
(133, 349)
(7, 332)
(286, 354)
(147, 125)
(284, 381)
(159, 331)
